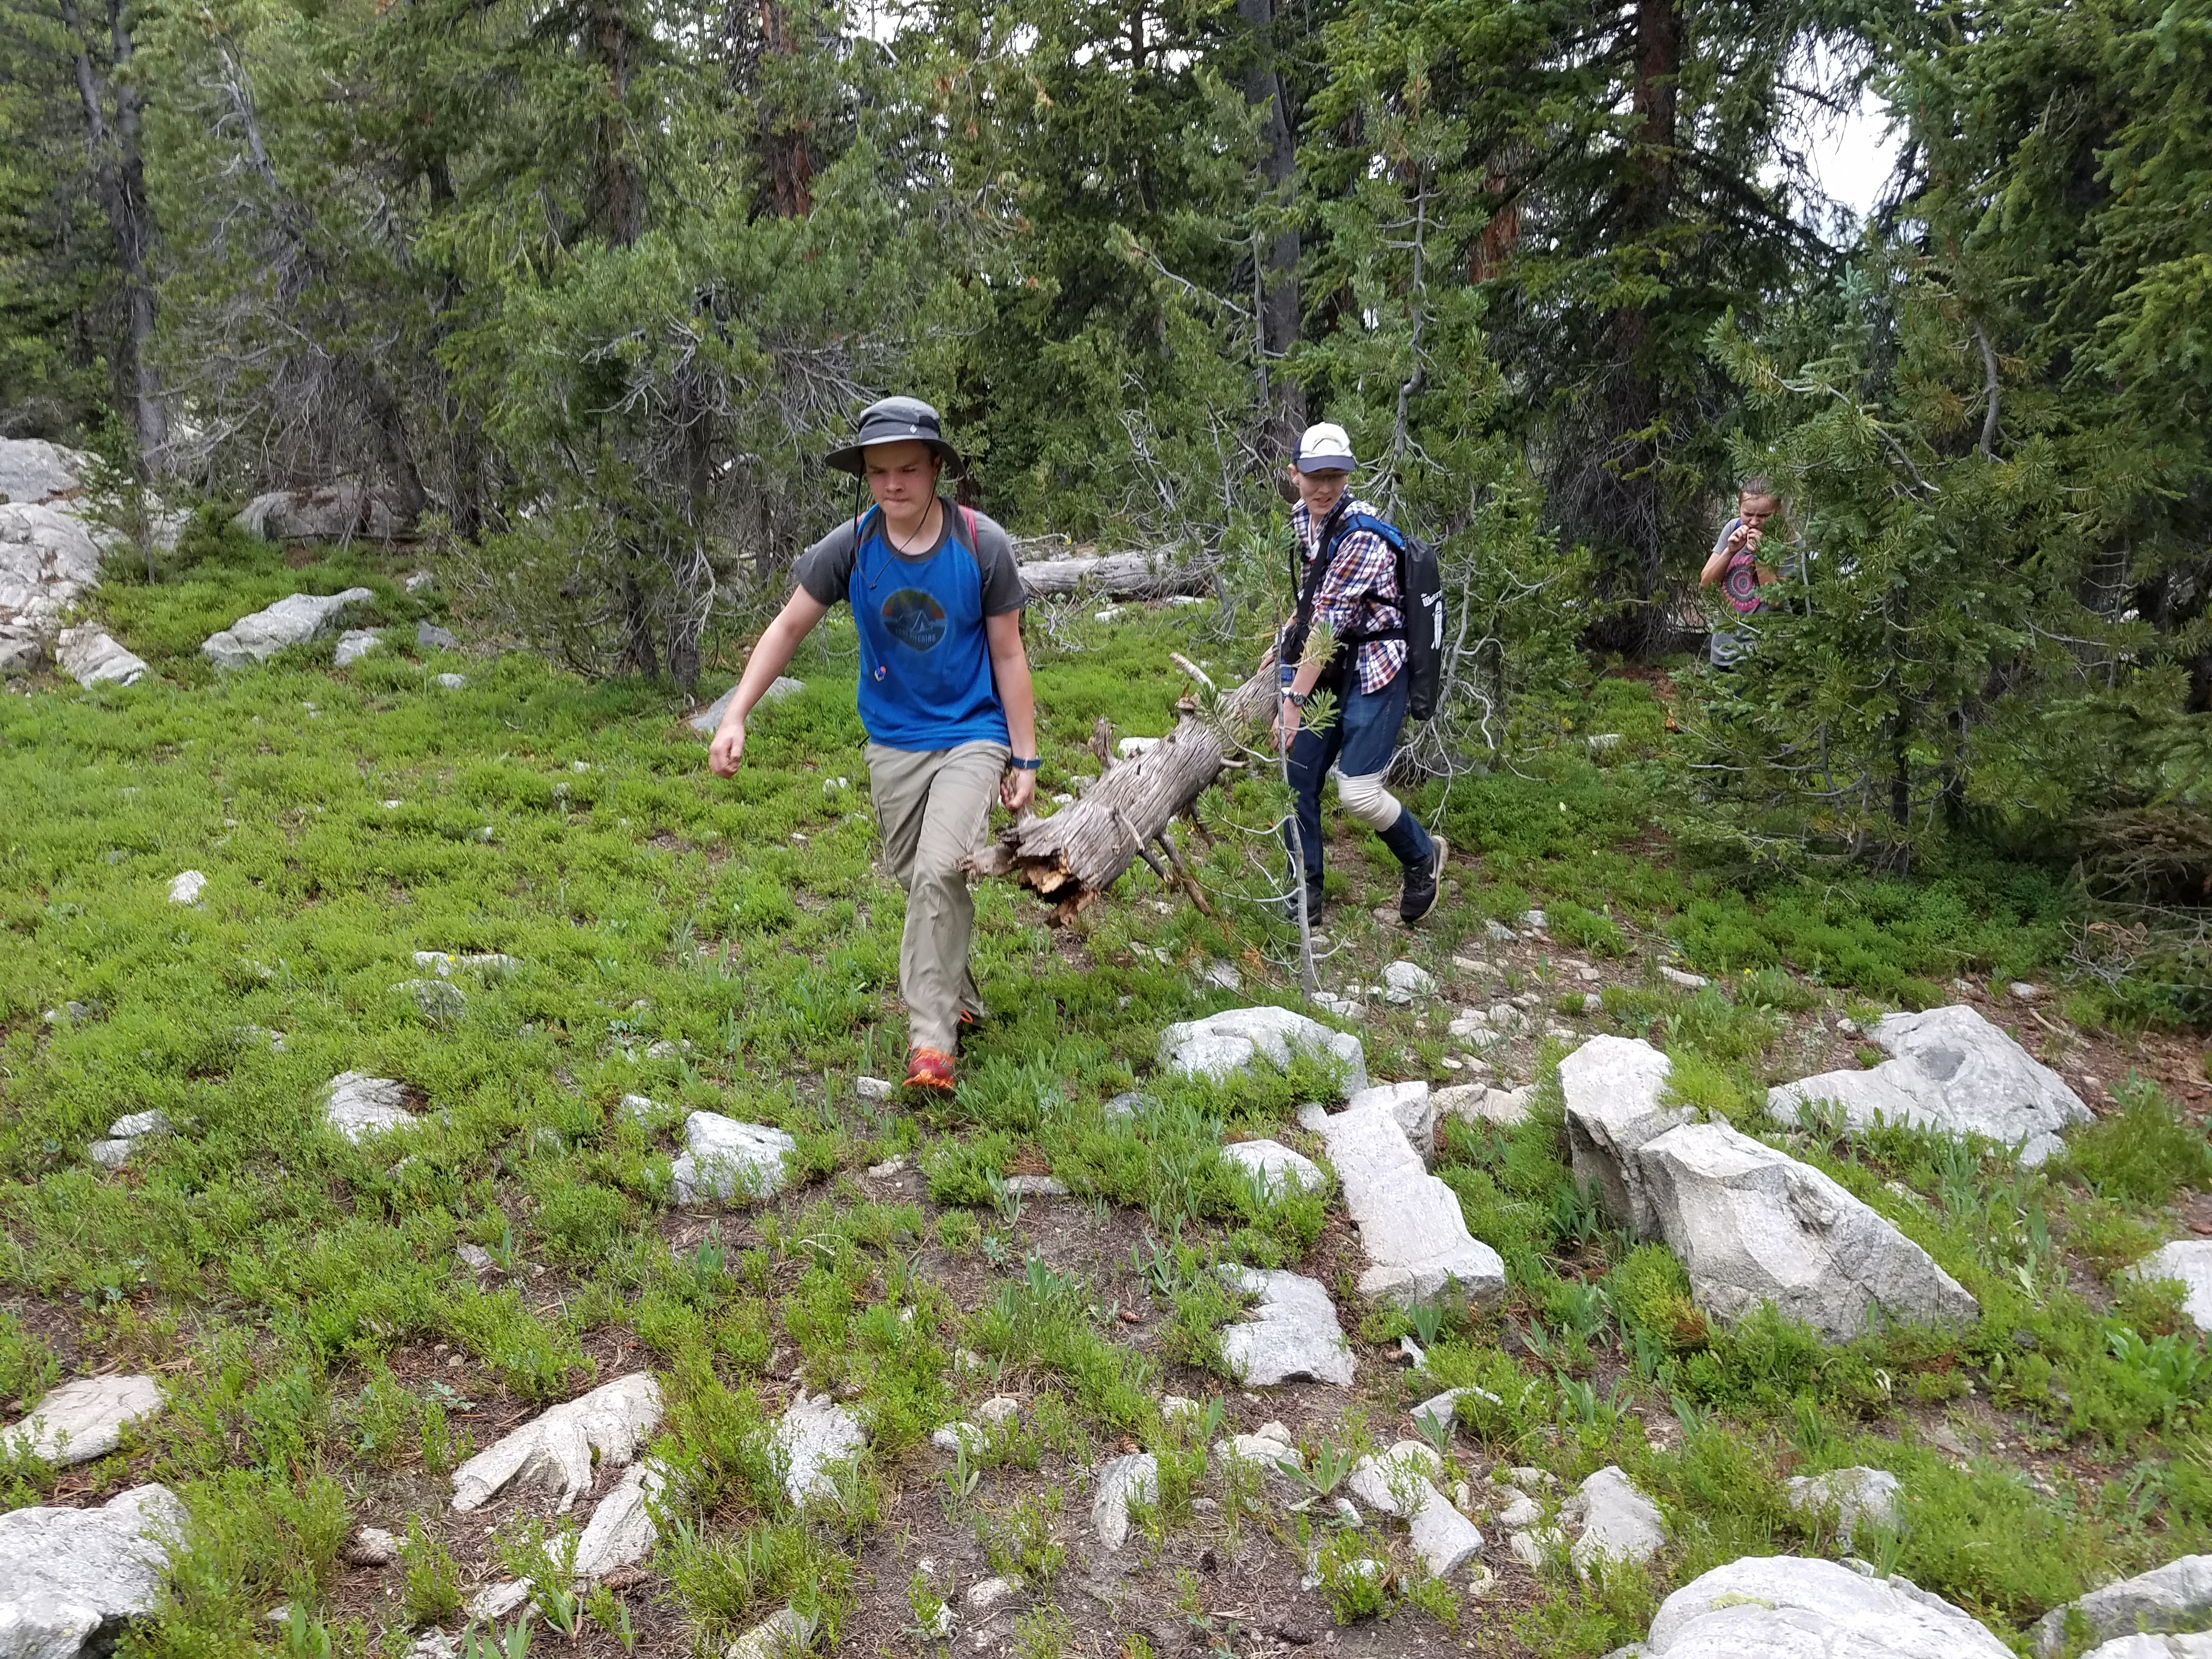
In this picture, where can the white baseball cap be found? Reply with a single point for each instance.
(1325, 448)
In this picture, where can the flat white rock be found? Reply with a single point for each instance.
(1753, 1225)
(1293, 1331)
(779, 1636)
(1229, 1041)
(69, 1577)
(48, 562)
(1477, 1102)
(620, 1532)
(89, 655)
(1411, 1225)
(1620, 1523)
(1277, 1168)
(815, 1435)
(2190, 1261)
(355, 644)
(1952, 1071)
(1787, 1607)
(1614, 1087)
(728, 1160)
(1401, 1482)
(1410, 978)
(294, 620)
(356, 1105)
(554, 1452)
(2178, 1593)
(1858, 1497)
(83, 1420)
(1134, 1478)
(186, 886)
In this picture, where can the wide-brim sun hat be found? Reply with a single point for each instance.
(1325, 447)
(893, 420)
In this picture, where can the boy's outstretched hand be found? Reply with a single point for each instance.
(1016, 789)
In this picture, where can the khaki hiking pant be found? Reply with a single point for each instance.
(933, 808)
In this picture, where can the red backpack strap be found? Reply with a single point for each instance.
(967, 517)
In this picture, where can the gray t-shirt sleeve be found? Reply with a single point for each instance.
(825, 570)
(1002, 577)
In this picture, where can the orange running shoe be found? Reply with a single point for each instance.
(929, 1068)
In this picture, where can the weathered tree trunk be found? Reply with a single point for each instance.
(622, 191)
(1277, 278)
(119, 174)
(1080, 851)
(1112, 576)
(1636, 414)
(790, 161)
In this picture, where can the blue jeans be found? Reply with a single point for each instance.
(1358, 742)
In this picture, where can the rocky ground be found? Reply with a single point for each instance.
(451, 1190)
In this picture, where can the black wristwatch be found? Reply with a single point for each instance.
(1297, 699)
(1029, 765)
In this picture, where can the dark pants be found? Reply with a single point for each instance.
(1358, 742)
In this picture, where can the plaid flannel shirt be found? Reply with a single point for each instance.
(1360, 594)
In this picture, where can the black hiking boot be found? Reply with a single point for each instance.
(1423, 883)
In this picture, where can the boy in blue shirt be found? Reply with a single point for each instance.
(944, 695)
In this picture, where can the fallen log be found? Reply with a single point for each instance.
(1080, 851)
(1113, 576)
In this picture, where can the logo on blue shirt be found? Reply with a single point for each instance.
(914, 619)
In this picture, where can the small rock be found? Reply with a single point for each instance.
(1532, 921)
(353, 645)
(1688, 982)
(436, 998)
(640, 1109)
(1410, 978)
(987, 1593)
(1223, 1044)
(133, 1125)
(1293, 1331)
(1342, 1007)
(1621, 1525)
(186, 887)
(1529, 1548)
(1599, 742)
(2023, 992)
(450, 681)
(780, 1636)
(1593, 1003)
(1127, 1105)
(2189, 1262)
(998, 1407)
(725, 1159)
(818, 1435)
(954, 1436)
(873, 1088)
(81, 1420)
(90, 656)
(1498, 933)
(555, 1450)
(1036, 1186)
(1348, 1512)
(294, 620)
(1275, 1167)
(1175, 1407)
(887, 1169)
(1221, 976)
(415, 581)
(1521, 1511)
(371, 1546)
(621, 1533)
(1133, 1477)
(476, 1258)
(1857, 1496)
(429, 637)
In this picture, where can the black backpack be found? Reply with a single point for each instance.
(1420, 597)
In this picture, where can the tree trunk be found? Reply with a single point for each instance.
(622, 191)
(790, 164)
(1114, 576)
(1277, 279)
(1080, 851)
(1647, 205)
(119, 176)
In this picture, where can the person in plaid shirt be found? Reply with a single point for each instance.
(1358, 598)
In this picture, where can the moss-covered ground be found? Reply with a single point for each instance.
(732, 946)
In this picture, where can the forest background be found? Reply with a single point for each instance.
(579, 289)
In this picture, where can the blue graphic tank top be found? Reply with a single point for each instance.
(925, 679)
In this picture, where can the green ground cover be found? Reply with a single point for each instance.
(730, 946)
